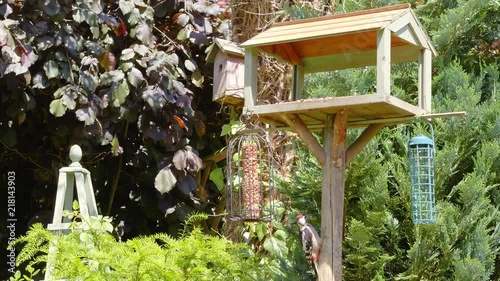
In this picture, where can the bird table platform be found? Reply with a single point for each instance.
(377, 37)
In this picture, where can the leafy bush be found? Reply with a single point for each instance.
(91, 252)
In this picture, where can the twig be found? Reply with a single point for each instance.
(117, 176)
(28, 159)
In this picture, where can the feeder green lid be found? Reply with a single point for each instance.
(419, 140)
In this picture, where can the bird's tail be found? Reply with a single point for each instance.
(315, 268)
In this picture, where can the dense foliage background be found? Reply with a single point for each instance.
(128, 81)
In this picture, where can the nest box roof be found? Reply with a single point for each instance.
(344, 40)
(226, 47)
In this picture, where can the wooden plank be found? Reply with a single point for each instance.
(325, 264)
(384, 62)
(315, 104)
(292, 55)
(357, 59)
(251, 65)
(299, 35)
(346, 15)
(307, 137)
(332, 26)
(355, 123)
(353, 42)
(405, 119)
(404, 106)
(425, 80)
(314, 116)
(357, 146)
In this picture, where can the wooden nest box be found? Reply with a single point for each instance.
(229, 72)
(377, 37)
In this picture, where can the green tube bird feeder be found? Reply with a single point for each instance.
(421, 161)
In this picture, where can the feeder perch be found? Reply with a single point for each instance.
(229, 72)
(421, 160)
(250, 187)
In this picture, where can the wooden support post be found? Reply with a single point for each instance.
(425, 79)
(357, 146)
(384, 62)
(332, 197)
(325, 266)
(297, 82)
(251, 65)
(307, 137)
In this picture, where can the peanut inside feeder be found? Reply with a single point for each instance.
(251, 183)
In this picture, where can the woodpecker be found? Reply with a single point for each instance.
(311, 242)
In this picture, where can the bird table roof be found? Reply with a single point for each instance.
(344, 40)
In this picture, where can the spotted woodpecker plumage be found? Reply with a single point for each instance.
(311, 242)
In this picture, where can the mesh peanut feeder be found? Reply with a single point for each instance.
(250, 185)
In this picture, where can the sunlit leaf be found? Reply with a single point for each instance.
(5, 10)
(186, 159)
(135, 77)
(58, 93)
(154, 96)
(276, 246)
(89, 81)
(112, 76)
(69, 99)
(86, 115)
(181, 19)
(127, 54)
(261, 230)
(165, 180)
(116, 149)
(4, 36)
(97, 6)
(44, 42)
(197, 79)
(71, 44)
(51, 69)
(183, 34)
(78, 16)
(190, 65)
(39, 81)
(57, 108)
(217, 176)
(121, 92)
(126, 6)
(143, 33)
(141, 50)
